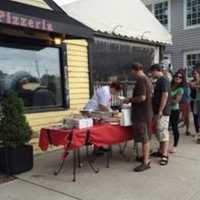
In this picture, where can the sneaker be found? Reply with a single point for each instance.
(142, 167)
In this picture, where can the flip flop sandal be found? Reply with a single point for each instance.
(143, 167)
(164, 160)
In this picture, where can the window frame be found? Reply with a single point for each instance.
(169, 12)
(185, 58)
(186, 27)
(14, 41)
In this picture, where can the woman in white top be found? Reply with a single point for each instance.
(101, 101)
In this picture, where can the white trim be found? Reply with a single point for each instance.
(185, 18)
(169, 11)
(185, 59)
(169, 15)
(156, 55)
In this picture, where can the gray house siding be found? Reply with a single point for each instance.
(184, 40)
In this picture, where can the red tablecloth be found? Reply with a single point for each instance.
(101, 135)
(56, 137)
(109, 135)
(61, 137)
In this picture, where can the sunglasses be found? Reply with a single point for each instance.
(178, 76)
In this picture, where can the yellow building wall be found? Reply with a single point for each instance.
(77, 78)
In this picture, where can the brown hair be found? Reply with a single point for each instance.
(137, 67)
(115, 85)
(182, 84)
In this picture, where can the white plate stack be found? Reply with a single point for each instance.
(83, 123)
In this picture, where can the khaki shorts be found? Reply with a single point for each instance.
(141, 132)
(162, 129)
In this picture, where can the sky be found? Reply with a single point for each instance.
(61, 2)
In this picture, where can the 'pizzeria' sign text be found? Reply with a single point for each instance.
(25, 21)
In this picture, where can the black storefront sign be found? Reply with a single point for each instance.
(55, 20)
(16, 19)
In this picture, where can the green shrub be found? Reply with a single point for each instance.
(14, 129)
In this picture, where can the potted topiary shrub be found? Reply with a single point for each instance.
(16, 155)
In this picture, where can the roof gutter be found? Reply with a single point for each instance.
(128, 39)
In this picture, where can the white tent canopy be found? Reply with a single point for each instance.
(128, 18)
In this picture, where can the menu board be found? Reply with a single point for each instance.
(37, 3)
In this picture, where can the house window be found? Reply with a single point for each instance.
(161, 11)
(192, 59)
(37, 3)
(192, 12)
(34, 73)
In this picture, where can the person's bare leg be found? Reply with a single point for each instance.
(146, 162)
(146, 152)
(187, 124)
(164, 147)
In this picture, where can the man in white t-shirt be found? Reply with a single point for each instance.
(101, 101)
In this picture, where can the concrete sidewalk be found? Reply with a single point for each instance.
(180, 180)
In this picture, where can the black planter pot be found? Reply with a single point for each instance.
(15, 161)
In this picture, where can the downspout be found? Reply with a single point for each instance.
(90, 63)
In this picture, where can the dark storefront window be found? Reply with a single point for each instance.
(34, 73)
(114, 59)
